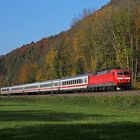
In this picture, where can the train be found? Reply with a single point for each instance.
(104, 80)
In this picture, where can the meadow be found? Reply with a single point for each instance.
(70, 117)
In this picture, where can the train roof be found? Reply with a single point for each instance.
(77, 76)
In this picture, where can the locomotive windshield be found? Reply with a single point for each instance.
(126, 73)
(123, 73)
(120, 73)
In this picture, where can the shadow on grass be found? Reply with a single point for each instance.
(46, 115)
(61, 127)
(12, 105)
(112, 131)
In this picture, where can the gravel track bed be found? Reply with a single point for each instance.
(104, 93)
(99, 93)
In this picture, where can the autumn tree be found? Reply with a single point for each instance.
(24, 74)
(52, 64)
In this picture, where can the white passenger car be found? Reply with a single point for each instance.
(6, 90)
(74, 83)
(33, 87)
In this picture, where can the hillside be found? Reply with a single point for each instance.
(109, 37)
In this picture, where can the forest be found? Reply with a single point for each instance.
(106, 38)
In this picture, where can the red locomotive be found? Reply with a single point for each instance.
(115, 79)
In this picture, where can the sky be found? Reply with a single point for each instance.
(24, 21)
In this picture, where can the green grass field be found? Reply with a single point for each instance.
(70, 118)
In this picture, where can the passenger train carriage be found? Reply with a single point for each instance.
(115, 79)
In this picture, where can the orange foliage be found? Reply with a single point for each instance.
(24, 73)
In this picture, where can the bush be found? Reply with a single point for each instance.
(136, 85)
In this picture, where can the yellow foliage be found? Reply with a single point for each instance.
(51, 61)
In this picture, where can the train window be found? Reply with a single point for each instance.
(6, 89)
(80, 80)
(77, 81)
(120, 73)
(85, 80)
(18, 88)
(126, 73)
(45, 85)
(29, 87)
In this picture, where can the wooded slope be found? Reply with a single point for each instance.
(107, 38)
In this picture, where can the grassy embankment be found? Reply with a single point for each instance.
(70, 118)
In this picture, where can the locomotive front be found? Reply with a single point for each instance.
(123, 79)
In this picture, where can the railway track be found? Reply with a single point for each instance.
(99, 93)
(107, 93)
